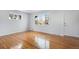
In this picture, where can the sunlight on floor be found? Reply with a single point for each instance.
(42, 42)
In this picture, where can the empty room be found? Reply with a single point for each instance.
(39, 29)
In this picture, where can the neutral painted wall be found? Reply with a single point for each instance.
(72, 23)
(55, 25)
(12, 26)
(56, 22)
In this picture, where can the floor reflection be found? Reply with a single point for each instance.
(17, 46)
(42, 42)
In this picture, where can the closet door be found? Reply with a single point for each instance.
(71, 24)
(56, 23)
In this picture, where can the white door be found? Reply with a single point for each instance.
(72, 24)
(56, 23)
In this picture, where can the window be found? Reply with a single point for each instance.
(14, 17)
(41, 19)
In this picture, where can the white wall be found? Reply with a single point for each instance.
(72, 23)
(57, 19)
(12, 26)
(55, 25)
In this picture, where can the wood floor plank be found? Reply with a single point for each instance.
(27, 40)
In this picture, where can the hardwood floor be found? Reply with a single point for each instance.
(31, 40)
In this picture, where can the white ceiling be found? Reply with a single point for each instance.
(30, 11)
